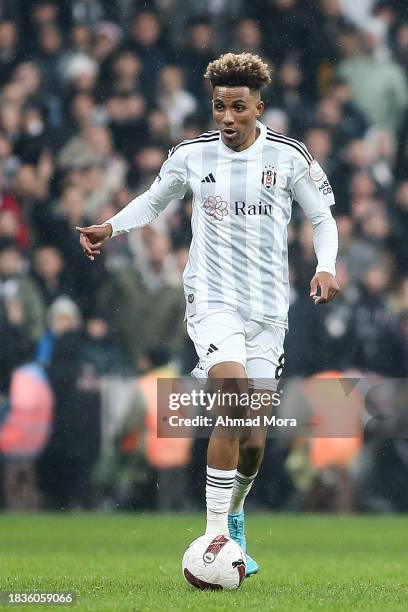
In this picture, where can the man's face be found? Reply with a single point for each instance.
(235, 111)
(10, 263)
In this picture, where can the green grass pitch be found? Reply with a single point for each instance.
(132, 562)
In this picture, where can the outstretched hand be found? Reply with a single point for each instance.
(93, 237)
(323, 288)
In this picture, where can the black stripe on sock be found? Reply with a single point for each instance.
(220, 481)
(242, 481)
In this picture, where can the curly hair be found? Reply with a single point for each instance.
(238, 70)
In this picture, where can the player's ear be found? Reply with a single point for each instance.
(259, 109)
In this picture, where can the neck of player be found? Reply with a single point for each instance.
(248, 142)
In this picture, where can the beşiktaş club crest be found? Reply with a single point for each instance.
(269, 176)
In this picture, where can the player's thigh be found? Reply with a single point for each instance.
(218, 337)
(265, 354)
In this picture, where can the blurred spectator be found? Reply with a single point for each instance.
(148, 42)
(19, 295)
(174, 100)
(55, 224)
(320, 144)
(80, 73)
(23, 436)
(353, 123)
(337, 345)
(50, 46)
(357, 253)
(108, 36)
(401, 45)
(169, 457)
(277, 119)
(17, 345)
(399, 217)
(81, 38)
(12, 222)
(126, 71)
(10, 121)
(283, 20)
(247, 37)
(91, 13)
(125, 105)
(287, 95)
(328, 27)
(357, 12)
(10, 53)
(401, 166)
(67, 461)
(48, 272)
(123, 477)
(77, 361)
(34, 140)
(144, 294)
(147, 164)
(103, 171)
(83, 113)
(382, 144)
(377, 331)
(30, 189)
(159, 128)
(379, 85)
(379, 476)
(197, 53)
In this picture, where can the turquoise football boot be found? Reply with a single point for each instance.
(236, 526)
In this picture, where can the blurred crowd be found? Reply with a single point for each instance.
(93, 94)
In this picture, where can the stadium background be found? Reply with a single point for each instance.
(93, 93)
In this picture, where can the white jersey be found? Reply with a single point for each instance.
(242, 205)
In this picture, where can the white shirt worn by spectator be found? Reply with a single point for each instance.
(177, 106)
(357, 12)
(242, 203)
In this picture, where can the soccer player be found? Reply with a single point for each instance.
(244, 178)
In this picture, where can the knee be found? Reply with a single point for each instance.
(253, 445)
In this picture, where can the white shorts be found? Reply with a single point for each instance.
(222, 335)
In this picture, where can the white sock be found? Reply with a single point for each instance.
(242, 486)
(218, 493)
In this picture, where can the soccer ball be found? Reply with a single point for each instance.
(214, 563)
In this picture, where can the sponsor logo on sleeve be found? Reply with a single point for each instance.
(325, 188)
